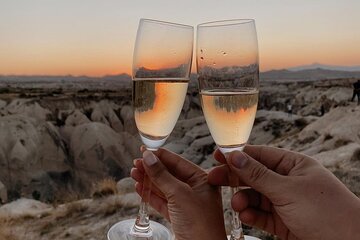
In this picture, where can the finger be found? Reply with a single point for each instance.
(158, 203)
(154, 190)
(181, 168)
(259, 219)
(279, 160)
(219, 156)
(220, 175)
(135, 161)
(137, 175)
(255, 174)
(142, 148)
(160, 176)
(244, 199)
(139, 165)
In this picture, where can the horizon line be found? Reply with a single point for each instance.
(124, 73)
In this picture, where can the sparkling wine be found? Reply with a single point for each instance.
(157, 105)
(230, 116)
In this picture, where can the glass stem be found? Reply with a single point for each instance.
(142, 222)
(236, 227)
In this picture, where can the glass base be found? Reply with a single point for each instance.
(246, 237)
(228, 149)
(151, 143)
(122, 231)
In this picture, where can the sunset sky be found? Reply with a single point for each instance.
(96, 37)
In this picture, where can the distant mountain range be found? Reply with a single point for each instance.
(324, 66)
(109, 82)
(310, 72)
(307, 74)
(68, 78)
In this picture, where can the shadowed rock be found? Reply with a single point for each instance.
(98, 152)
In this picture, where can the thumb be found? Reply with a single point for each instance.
(255, 174)
(159, 174)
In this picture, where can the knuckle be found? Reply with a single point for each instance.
(174, 192)
(258, 174)
(156, 173)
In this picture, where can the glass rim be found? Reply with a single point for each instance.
(165, 23)
(227, 22)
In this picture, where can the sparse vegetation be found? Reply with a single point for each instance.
(4, 90)
(6, 233)
(104, 188)
(301, 123)
(73, 217)
(74, 208)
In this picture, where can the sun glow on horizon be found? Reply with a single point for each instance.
(43, 37)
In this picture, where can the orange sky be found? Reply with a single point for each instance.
(92, 37)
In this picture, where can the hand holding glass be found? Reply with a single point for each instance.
(161, 72)
(228, 75)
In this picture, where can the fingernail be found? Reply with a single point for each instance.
(149, 158)
(142, 148)
(238, 159)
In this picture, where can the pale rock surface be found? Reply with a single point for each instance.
(183, 126)
(104, 112)
(176, 146)
(28, 108)
(131, 199)
(270, 126)
(125, 185)
(23, 207)
(335, 157)
(98, 115)
(76, 118)
(341, 122)
(198, 149)
(187, 124)
(198, 131)
(100, 152)
(2, 104)
(209, 162)
(336, 128)
(29, 147)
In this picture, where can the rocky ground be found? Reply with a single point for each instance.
(56, 151)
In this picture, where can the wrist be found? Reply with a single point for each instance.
(352, 225)
(206, 229)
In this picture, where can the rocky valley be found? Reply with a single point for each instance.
(66, 153)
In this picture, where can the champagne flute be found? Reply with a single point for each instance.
(228, 75)
(161, 73)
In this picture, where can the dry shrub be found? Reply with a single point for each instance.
(72, 208)
(107, 205)
(104, 188)
(5, 231)
(47, 227)
(65, 196)
(301, 123)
